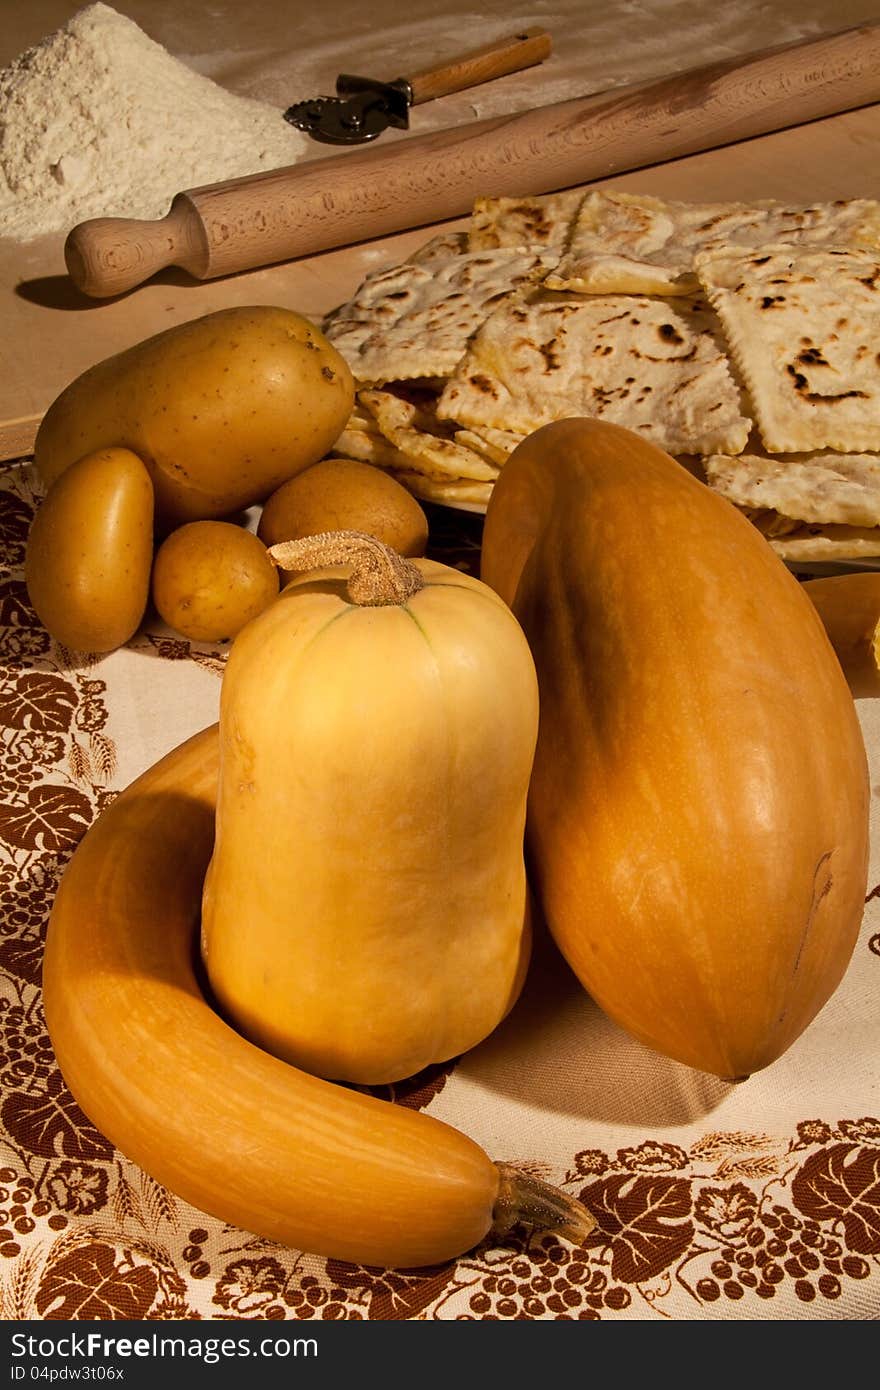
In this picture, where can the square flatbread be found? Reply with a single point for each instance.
(803, 328)
(840, 488)
(413, 320)
(540, 221)
(655, 366)
(635, 244)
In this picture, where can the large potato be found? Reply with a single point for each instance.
(89, 552)
(222, 410)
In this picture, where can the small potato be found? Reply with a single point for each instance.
(89, 552)
(344, 495)
(210, 578)
(222, 409)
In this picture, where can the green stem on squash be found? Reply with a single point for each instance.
(379, 576)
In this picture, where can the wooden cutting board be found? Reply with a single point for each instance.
(51, 333)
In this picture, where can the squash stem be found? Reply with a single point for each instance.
(523, 1198)
(379, 576)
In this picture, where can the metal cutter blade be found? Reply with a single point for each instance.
(360, 111)
(363, 107)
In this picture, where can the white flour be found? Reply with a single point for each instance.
(99, 120)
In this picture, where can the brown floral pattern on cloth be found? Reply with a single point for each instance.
(732, 1223)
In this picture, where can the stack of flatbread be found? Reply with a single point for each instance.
(742, 338)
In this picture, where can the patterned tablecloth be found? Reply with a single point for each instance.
(713, 1201)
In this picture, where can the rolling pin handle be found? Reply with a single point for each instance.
(106, 256)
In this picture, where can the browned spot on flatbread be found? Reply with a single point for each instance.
(548, 357)
(802, 386)
(638, 244)
(810, 373)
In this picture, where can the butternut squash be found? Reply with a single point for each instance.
(241, 1135)
(698, 813)
(366, 908)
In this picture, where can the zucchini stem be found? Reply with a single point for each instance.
(523, 1198)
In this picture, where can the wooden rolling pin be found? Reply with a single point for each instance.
(264, 218)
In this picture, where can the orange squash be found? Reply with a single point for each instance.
(849, 606)
(698, 810)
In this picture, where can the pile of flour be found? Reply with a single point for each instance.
(98, 120)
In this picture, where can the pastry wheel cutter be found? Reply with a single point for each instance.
(363, 108)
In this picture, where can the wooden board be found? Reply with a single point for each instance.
(51, 333)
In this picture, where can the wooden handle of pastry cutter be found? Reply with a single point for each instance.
(415, 181)
(511, 54)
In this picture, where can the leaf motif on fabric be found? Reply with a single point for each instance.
(87, 1284)
(53, 819)
(646, 1220)
(15, 520)
(22, 958)
(842, 1184)
(52, 1123)
(15, 605)
(38, 701)
(393, 1294)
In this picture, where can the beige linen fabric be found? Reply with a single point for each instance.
(713, 1201)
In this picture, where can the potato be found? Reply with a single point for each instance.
(89, 552)
(210, 578)
(222, 410)
(340, 494)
